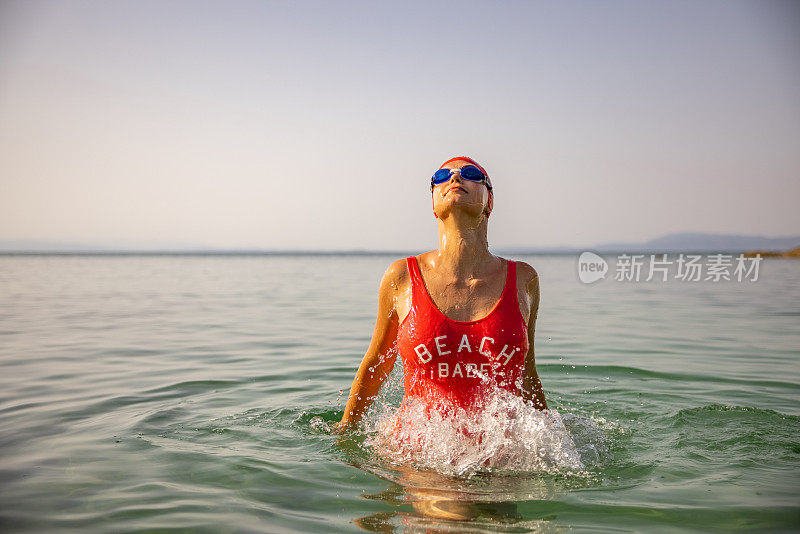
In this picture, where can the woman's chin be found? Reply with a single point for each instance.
(460, 209)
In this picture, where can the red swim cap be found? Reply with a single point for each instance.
(471, 162)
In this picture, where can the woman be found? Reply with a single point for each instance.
(461, 319)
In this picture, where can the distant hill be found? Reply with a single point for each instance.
(683, 242)
(697, 242)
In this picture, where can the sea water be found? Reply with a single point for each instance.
(197, 392)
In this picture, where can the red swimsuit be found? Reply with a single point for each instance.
(458, 362)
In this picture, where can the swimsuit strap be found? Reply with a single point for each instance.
(419, 293)
(511, 281)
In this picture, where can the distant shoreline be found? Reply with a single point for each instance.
(791, 253)
(686, 243)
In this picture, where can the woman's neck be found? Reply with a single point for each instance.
(463, 245)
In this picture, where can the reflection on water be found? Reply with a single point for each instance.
(406, 523)
(441, 503)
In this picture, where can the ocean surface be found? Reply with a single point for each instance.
(196, 393)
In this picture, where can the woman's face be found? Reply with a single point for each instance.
(458, 193)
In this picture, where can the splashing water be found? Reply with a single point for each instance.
(506, 434)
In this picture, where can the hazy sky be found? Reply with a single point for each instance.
(318, 124)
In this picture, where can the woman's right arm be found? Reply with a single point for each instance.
(381, 354)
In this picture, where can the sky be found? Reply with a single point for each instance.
(317, 125)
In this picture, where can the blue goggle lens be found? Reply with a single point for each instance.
(469, 172)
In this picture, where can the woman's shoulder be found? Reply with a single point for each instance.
(526, 269)
(526, 275)
(396, 274)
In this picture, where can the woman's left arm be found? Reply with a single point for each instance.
(531, 385)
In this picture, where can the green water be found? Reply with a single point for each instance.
(193, 393)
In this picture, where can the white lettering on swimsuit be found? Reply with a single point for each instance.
(464, 343)
(457, 371)
(507, 355)
(423, 351)
(439, 346)
(471, 370)
(463, 369)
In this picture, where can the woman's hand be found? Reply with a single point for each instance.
(338, 428)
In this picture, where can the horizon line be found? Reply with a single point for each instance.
(365, 252)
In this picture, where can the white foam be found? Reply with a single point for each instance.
(506, 434)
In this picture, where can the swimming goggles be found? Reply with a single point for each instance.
(469, 172)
